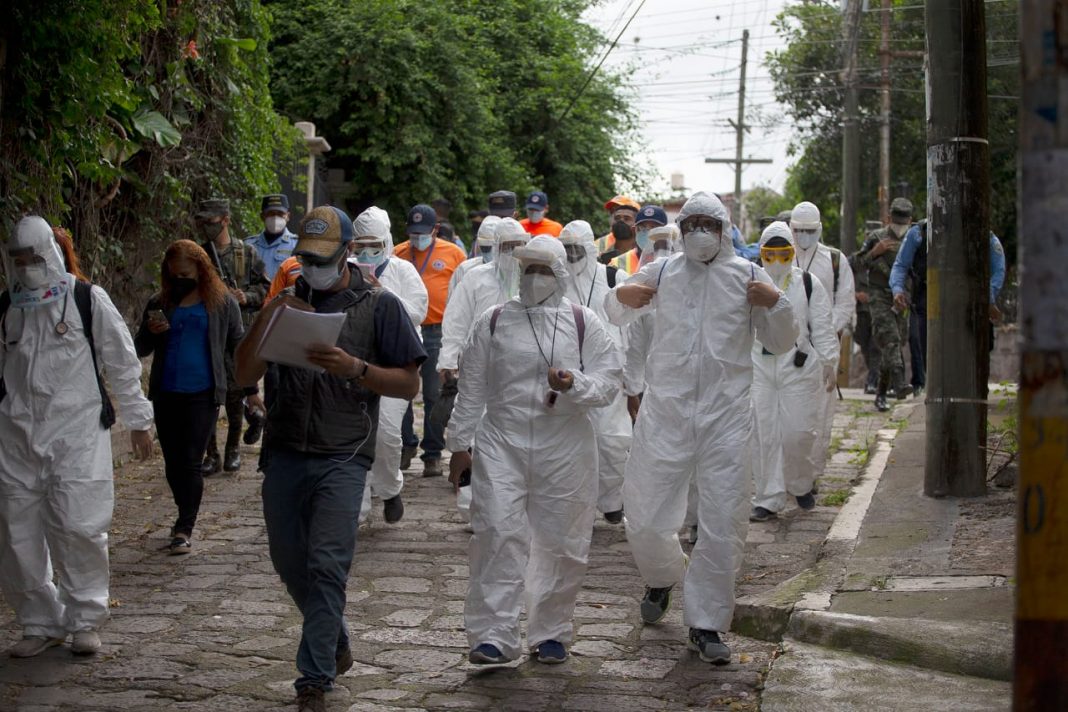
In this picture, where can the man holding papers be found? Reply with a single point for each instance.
(320, 437)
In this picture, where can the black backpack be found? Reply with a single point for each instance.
(83, 300)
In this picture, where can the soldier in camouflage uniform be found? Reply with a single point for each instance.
(242, 271)
(888, 323)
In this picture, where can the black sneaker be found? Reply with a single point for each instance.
(487, 654)
(869, 389)
(232, 462)
(407, 453)
(179, 545)
(655, 604)
(880, 403)
(393, 509)
(342, 662)
(902, 392)
(212, 465)
(806, 501)
(760, 514)
(709, 647)
(614, 517)
(311, 699)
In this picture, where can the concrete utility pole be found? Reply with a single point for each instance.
(316, 146)
(1041, 656)
(847, 238)
(958, 264)
(740, 127)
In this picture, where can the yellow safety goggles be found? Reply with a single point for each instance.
(784, 255)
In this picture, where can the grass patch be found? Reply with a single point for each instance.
(860, 453)
(836, 498)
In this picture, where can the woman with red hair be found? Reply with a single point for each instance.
(70, 257)
(188, 327)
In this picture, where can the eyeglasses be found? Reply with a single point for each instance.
(771, 255)
(701, 222)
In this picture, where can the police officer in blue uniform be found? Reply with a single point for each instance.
(275, 244)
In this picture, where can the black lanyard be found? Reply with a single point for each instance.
(552, 349)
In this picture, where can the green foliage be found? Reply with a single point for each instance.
(835, 498)
(118, 115)
(807, 80)
(455, 99)
(761, 201)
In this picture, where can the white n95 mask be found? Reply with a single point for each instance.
(701, 245)
(534, 289)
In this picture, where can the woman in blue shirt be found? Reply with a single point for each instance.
(188, 328)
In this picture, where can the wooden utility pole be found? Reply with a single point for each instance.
(740, 128)
(958, 264)
(847, 238)
(1041, 656)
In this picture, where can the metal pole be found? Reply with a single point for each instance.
(847, 239)
(736, 211)
(884, 118)
(1041, 656)
(958, 263)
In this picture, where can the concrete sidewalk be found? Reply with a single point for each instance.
(915, 612)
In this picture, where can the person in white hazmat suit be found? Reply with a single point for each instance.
(374, 248)
(832, 269)
(531, 372)
(56, 492)
(482, 287)
(484, 241)
(695, 417)
(587, 286)
(788, 388)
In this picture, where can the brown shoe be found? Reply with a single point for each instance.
(311, 699)
(432, 468)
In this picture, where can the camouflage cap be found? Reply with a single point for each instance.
(213, 208)
(901, 210)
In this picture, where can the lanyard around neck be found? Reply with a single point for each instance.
(552, 348)
(426, 260)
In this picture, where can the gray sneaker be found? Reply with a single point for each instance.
(709, 647)
(655, 604)
(33, 645)
(85, 642)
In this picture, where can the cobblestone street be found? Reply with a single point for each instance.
(215, 630)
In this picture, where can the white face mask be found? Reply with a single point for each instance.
(701, 245)
(32, 276)
(534, 289)
(321, 277)
(899, 229)
(806, 239)
(777, 271)
(274, 224)
(535, 216)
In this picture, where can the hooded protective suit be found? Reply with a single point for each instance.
(482, 287)
(56, 494)
(640, 332)
(787, 399)
(534, 475)
(587, 286)
(696, 414)
(401, 278)
(817, 259)
(484, 239)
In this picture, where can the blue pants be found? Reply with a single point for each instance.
(311, 504)
(918, 348)
(433, 437)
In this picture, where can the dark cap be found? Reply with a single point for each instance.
(901, 210)
(502, 203)
(537, 200)
(653, 214)
(275, 203)
(323, 232)
(421, 220)
(213, 208)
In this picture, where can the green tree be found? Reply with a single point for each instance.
(806, 73)
(455, 98)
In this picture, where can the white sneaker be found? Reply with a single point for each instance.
(85, 642)
(33, 645)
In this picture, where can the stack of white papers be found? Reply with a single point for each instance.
(291, 331)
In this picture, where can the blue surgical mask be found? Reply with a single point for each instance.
(371, 256)
(486, 252)
(643, 240)
(421, 242)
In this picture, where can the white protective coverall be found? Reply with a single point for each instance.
(484, 239)
(696, 417)
(787, 400)
(815, 257)
(56, 494)
(402, 279)
(534, 473)
(587, 286)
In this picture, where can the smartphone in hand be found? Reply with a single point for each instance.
(157, 315)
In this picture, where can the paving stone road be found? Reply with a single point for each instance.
(215, 630)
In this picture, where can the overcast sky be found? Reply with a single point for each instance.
(688, 54)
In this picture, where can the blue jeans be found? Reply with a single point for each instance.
(918, 348)
(311, 504)
(433, 438)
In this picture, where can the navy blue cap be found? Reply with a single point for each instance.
(653, 214)
(421, 220)
(277, 203)
(537, 200)
(502, 203)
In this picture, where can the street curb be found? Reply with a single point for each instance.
(974, 649)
